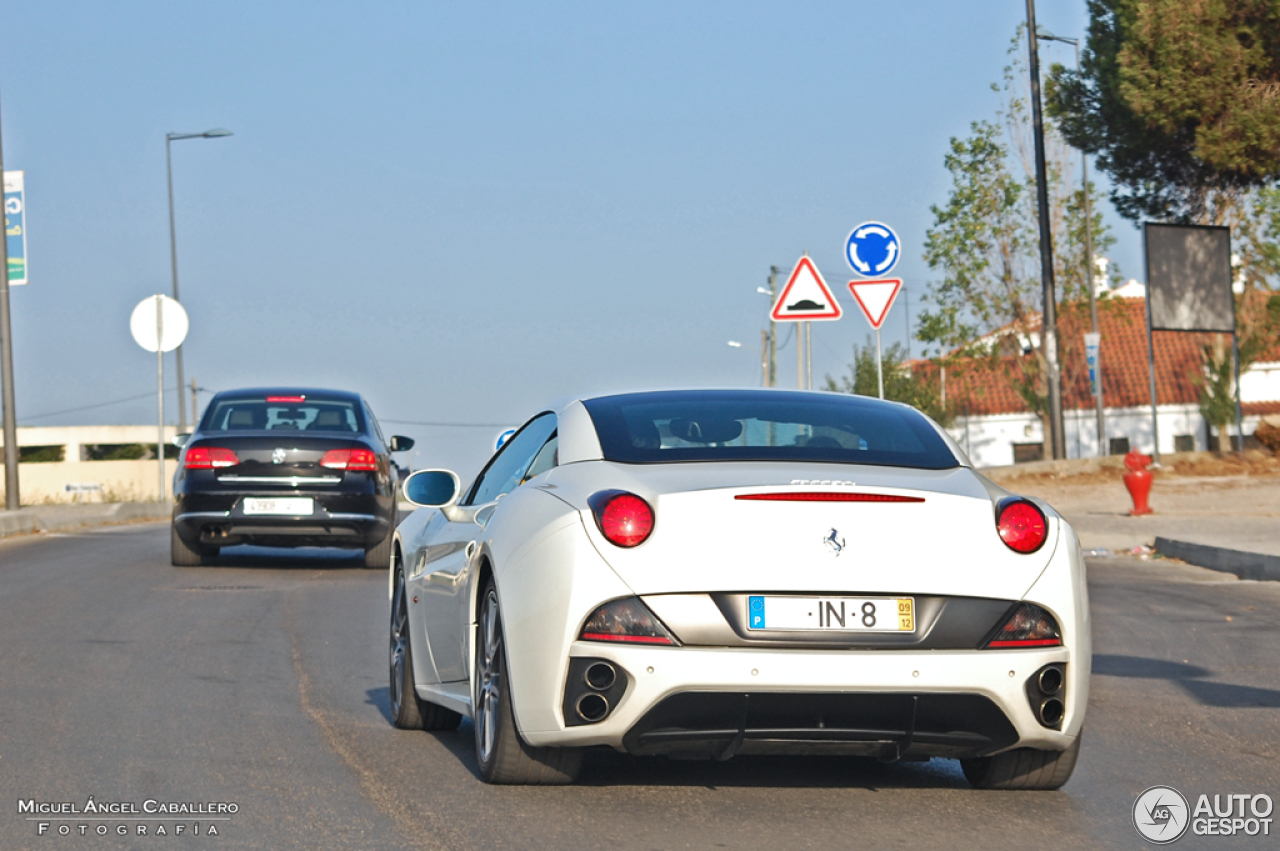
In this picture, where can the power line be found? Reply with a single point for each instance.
(99, 405)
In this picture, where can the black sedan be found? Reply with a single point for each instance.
(286, 468)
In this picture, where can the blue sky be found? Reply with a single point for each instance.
(464, 210)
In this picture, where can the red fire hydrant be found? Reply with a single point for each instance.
(1138, 481)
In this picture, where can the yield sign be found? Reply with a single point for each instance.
(806, 297)
(875, 298)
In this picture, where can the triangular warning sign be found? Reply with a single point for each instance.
(875, 298)
(806, 297)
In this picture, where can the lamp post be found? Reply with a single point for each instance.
(1044, 35)
(1049, 326)
(169, 139)
(12, 497)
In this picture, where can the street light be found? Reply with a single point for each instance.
(169, 139)
(1049, 325)
(1045, 35)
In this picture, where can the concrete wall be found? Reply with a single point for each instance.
(74, 480)
(92, 481)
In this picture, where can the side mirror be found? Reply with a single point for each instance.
(180, 440)
(400, 443)
(432, 488)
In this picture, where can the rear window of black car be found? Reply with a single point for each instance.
(732, 425)
(318, 416)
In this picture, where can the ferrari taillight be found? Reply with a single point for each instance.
(627, 620)
(1021, 524)
(624, 518)
(1028, 626)
(350, 459)
(209, 457)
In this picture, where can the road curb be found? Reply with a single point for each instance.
(41, 518)
(1257, 566)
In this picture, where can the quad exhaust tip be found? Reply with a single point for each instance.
(1051, 712)
(601, 676)
(1050, 680)
(592, 707)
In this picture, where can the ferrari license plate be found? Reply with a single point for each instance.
(835, 614)
(293, 506)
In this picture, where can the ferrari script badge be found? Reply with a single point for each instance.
(834, 542)
(278, 455)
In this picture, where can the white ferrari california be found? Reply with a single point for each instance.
(701, 574)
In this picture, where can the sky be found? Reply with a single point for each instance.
(466, 211)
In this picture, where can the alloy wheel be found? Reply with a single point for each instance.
(488, 677)
(399, 643)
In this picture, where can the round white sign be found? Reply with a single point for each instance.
(165, 335)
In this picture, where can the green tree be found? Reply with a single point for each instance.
(920, 389)
(985, 242)
(1179, 100)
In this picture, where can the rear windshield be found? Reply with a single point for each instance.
(744, 425)
(313, 415)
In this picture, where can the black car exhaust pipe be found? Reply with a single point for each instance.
(592, 707)
(1051, 712)
(600, 676)
(1050, 680)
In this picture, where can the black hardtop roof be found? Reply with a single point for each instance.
(288, 391)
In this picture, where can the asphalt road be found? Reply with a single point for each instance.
(260, 681)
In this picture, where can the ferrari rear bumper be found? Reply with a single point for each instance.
(718, 702)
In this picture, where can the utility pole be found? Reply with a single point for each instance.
(1088, 267)
(195, 405)
(12, 497)
(173, 259)
(1049, 324)
(773, 329)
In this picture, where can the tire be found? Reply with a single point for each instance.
(182, 554)
(1022, 768)
(503, 756)
(378, 557)
(408, 711)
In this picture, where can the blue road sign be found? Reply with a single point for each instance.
(872, 249)
(502, 439)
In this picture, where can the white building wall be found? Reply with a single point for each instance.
(990, 439)
(1261, 383)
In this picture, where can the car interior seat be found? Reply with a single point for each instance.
(328, 421)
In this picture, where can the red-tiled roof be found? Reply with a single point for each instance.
(989, 388)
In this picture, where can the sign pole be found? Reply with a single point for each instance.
(160, 391)
(1235, 356)
(12, 498)
(1151, 355)
(808, 355)
(879, 365)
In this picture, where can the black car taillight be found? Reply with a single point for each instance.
(209, 458)
(624, 519)
(628, 621)
(350, 459)
(1028, 626)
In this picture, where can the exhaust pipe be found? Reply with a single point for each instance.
(1051, 712)
(592, 707)
(1050, 680)
(600, 676)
